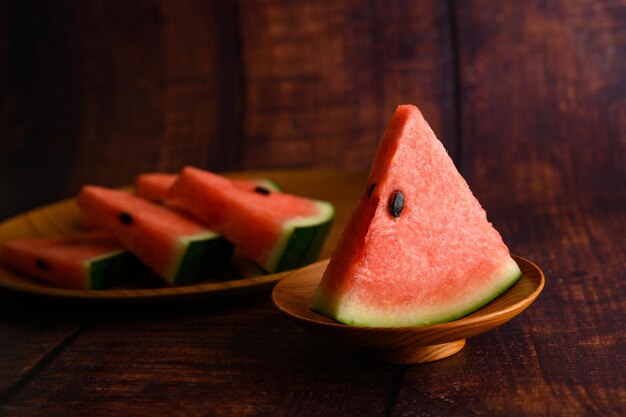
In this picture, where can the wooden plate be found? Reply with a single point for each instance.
(293, 296)
(342, 189)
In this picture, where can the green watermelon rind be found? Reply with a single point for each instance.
(202, 258)
(369, 318)
(196, 256)
(301, 240)
(112, 269)
(195, 259)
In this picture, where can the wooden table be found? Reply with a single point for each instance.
(238, 356)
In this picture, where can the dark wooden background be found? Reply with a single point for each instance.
(529, 98)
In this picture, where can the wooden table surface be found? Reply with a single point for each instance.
(238, 356)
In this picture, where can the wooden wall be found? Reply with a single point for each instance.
(529, 97)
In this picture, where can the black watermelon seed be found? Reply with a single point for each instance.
(126, 218)
(396, 203)
(371, 190)
(262, 190)
(41, 264)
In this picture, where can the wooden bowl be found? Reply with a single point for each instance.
(293, 296)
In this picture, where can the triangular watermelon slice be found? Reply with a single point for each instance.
(175, 246)
(276, 230)
(86, 261)
(419, 248)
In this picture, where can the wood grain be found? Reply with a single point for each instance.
(203, 359)
(98, 91)
(203, 93)
(37, 133)
(30, 340)
(322, 78)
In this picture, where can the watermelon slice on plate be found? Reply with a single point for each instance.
(87, 261)
(176, 247)
(278, 231)
(155, 186)
(418, 249)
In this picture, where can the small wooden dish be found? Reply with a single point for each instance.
(293, 295)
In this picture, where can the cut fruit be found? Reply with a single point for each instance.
(419, 248)
(87, 261)
(278, 231)
(176, 247)
(156, 186)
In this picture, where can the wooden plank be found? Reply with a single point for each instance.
(38, 132)
(122, 100)
(234, 357)
(97, 92)
(203, 93)
(542, 138)
(32, 333)
(112, 89)
(322, 78)
(164, 92)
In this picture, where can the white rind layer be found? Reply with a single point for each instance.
(88, 262)
(326, 212)
(181, 249)
(365, 315)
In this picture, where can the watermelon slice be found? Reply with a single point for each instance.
(155, 186)
(418, 249)
(87, 261)
(278, 231)
(176, 247)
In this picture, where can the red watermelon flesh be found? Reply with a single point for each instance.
(158, 236)
(155, 186)
(438, 260)
(77, 262)
(268, 227)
